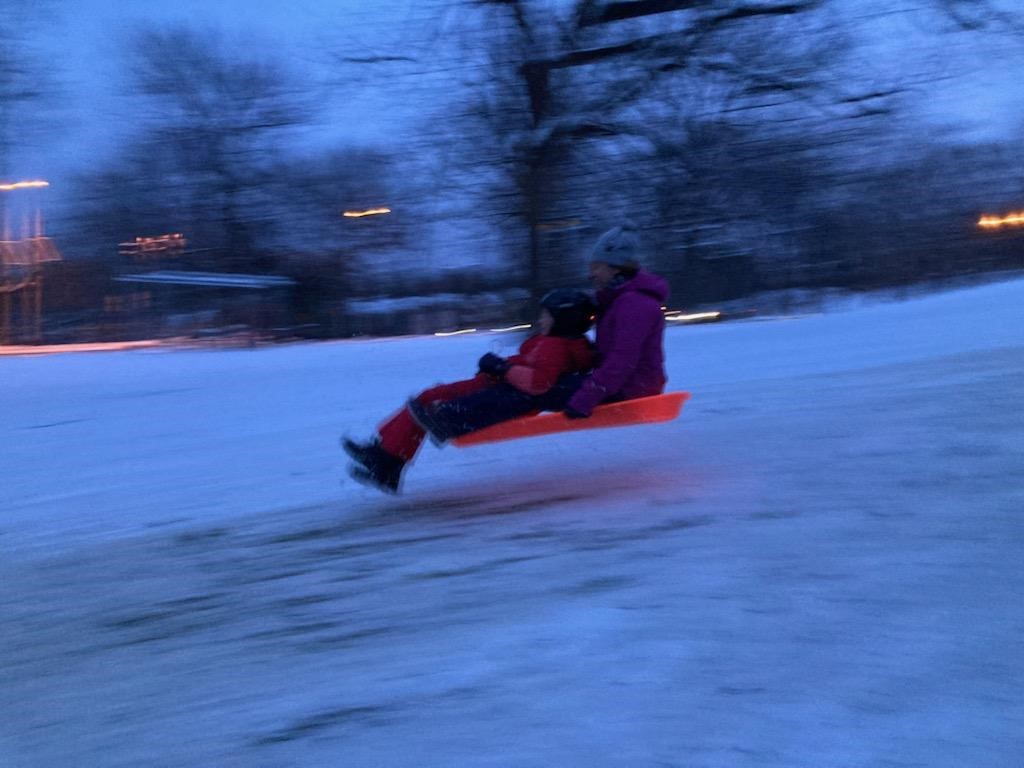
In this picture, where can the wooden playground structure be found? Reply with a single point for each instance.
(22, 261)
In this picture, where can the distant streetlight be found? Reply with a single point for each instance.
(998, 222)
(23, 185)
(367, 212)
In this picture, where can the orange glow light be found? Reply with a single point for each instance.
(23, 185)
(367, 212)
(1015, 219)
(174, 241)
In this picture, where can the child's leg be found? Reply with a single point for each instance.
(401, 436)
(477, 410)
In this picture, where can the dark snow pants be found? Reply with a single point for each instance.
(467, 405)
(556, 398)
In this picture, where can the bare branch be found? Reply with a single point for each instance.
(604, 12)
(375, 59)
(620, 10)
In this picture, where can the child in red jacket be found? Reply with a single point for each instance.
(503, 389)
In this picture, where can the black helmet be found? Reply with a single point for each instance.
(572, 310)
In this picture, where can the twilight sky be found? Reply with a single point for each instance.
(979, 91)
(85, 39)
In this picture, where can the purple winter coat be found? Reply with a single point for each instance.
(630, 327)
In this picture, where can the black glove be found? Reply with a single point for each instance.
(494, 365)
(572, 413)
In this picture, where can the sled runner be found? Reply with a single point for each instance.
(642, 410)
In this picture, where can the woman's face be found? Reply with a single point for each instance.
(601, 274)
(545, 322)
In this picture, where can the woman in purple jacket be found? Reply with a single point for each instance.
(630, 330)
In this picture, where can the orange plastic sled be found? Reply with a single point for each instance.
(643, 410)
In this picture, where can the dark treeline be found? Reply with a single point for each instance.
(750, 142)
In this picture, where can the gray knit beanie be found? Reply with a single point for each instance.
(618, 247)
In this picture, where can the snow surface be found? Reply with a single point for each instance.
(818, 564)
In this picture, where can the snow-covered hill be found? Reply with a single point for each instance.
(816, 565)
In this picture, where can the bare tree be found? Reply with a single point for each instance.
(25, 78)
(563, 96)
(678, 109)
(220, 116)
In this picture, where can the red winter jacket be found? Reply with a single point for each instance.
(542, 359)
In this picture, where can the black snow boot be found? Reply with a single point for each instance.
(374, 466)
(363, 453)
